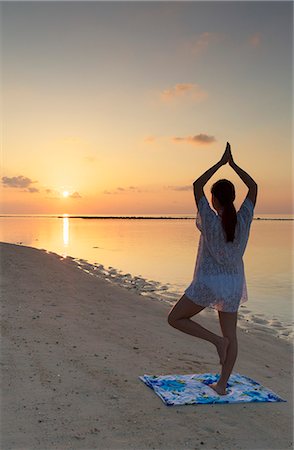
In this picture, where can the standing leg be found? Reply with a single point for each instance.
(180, 318)
(228, 323)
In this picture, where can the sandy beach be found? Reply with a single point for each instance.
(73, 346)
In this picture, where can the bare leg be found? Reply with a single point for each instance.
(179, 317)
(228, 323)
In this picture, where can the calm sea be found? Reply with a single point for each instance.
(164, 250)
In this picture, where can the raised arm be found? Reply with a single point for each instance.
(202, 180)
(246, 178)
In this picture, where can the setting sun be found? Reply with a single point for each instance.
(65, 194)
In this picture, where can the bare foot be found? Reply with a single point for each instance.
(222, 348)
(219, 389)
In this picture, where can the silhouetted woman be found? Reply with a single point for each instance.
(219, 278)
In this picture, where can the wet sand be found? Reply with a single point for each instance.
(74, 344)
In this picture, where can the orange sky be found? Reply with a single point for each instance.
(124, 114)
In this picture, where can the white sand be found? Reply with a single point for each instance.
(73, 346)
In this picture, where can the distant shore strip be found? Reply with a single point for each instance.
(153, 218)
(68, 216)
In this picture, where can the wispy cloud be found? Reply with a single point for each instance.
(180, 188)
(183, 91)
(202, 139)
(196, 45)
(53, 194)
(255, 40)
(149, 139)
(20, 182)
(75, 195)
(90, 158)
(121, 190)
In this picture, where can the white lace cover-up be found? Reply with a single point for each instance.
(219, 278)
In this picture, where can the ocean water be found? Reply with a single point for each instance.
(163, 252)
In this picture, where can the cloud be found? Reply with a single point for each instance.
(202, 139)
(255, 40)
(20, 182)
(199, 44)
(180, 188)
(131, 188)
(75, 195)
(17, 182)
(55, 194)
(149, 139)
(183, 90)
(120, 190)
(90, 158)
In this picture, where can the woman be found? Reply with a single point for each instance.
(219, 277)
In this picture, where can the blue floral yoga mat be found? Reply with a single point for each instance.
(191, 389)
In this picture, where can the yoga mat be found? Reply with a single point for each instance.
(193, 389)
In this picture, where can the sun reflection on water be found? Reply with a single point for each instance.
(65, 221)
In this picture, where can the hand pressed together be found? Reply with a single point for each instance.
(227, 156)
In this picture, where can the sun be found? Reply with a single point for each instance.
(65, 194)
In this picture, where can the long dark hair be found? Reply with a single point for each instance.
(224, 191)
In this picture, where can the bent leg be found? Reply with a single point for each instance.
(180, 318)
(228, 323)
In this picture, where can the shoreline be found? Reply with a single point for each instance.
(74, 345)
(158, 291)
(155, 290)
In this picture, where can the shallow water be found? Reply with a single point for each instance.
(165, 250)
